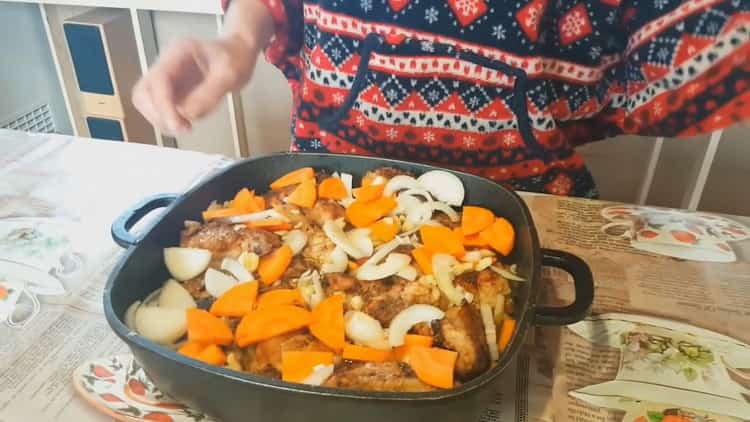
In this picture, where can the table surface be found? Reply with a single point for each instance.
(85, 184)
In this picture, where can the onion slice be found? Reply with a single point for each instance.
(383, 250)
(217, 283)
(310, 288)
(232, 266)
(505, 273)
(186, 263)
(409, 317)
(361, 239)
(161, 325)
(394, 263)
(296, 239)
(442, 268)
(256, 216)
(337, 262)
(365, 330)
(173, 295)
(490, 331)
(444, 186)
(424, 193)
(499, 308)
(129, 317)
(400, 182)
(408, 273)
(404, 204)
(336, 234)
(319, 375)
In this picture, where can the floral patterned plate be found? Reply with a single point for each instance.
(118, 387)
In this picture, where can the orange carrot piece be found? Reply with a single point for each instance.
(237, 301)
(268, 222)
(433, 366)
(362, 214)
(332, 188)
(475, 219)
(213, 355)
(384, 231)
(191, 349)
(243, 200)
(205, 328)
(676, 418)
(215, 213)
(352, 266)
(368, 180)
(366, 354)
(273, 265)
(296, 365)
(440, 239)
(423, 256)
(260, 203)
(500, 236)
(271, 321)
(280, 297)
(304, 195)
(471, 240)
(328, 322)
(3, 293)
(293, 178)
(368, 193)
(506, 333)
(418, 340)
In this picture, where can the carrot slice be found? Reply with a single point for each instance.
(215, 213)
(243, 200)
(366, 354)
(433, 366)
(472, 239)
(213, 355)
(270, 224)
(271, 321)
(304, 195)
(506, 333)
(475, 219)
(260, 203)
(368, 193)
(207, 329)
(280, 297)
(384, 231)
(500, 236)
(362, 214)
(296, 365)
(191, 349)
(368, 180)
(423, 256)
(328, 322)
(332, 188)
(418, 340)
(293, 178)
(352, 266)
(237, 301)
(440, 239)
(273, 265)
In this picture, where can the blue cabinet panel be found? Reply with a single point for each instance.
(105, 129)
(87, 51)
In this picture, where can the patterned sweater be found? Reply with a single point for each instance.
(508, 89)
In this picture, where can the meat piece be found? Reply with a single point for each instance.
(295, 269)
(462, 330)
(267, 353)
(388, 172)
(318, 248)
(325, 210)
(380, 376)
(484, 285)
(443, 219)
(277, 198)
(225, 240)
(339, 282)
(196, 287)
(384, 299)
(423, 329)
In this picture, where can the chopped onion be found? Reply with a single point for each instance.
(319, 375)
(505, 273)
(310, 288)
(383, 250)
(419, 214)
(337, 262)
(409, 317)
(348, 184)
(186, 263)
(173, 295)
(296, 239)
(217, 283)
(394, 263)
(445, 208)
(232, 266)
(409, 272)
(444, 186)
(424, 193)
(379, 180)
(442, 268)
(483, 264)
(249, 260)
(161, 325)
(256, 216)
(361, 239)
(404, 204)
(153, 298)
(499, 308)
(365, 330)
(472, 256)
(356, 302)
(129, 317)
(400, 182)
(340, 239)
(490, 331)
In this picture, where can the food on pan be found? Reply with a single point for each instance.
(395, 285)
(665, 355)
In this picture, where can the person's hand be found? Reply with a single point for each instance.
(189, 80)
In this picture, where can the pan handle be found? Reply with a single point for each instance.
(584, 288)
(122, 225)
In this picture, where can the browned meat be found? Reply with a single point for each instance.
(340, 283)
(388, 172)
(484, 285)
(384, 299)
(462, 330)
(404, 249)
(325, 210)
(195, 286)
(225, 240)
(296, 268)
(443, 219)
(267, 354)
(277, 198)
(423, 329)
(371, 376)
(318, 248)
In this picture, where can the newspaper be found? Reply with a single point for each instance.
(668, 335)
(58, 198)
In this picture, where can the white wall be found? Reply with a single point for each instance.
(27, 73)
